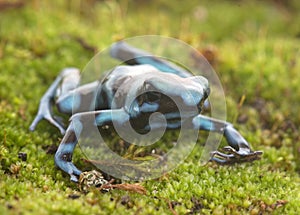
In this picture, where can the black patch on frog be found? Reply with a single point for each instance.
(71, 138)
(50, 149)
(66, 157)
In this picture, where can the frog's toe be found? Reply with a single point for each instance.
(57, 125)
(49, 118)
(74, 178)
(35, 122)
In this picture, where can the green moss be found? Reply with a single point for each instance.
(258, 57)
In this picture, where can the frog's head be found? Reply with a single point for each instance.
(169, 93)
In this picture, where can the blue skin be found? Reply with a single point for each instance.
(147, 73)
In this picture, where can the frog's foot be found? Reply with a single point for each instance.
(230, 155)
(66, 81)
(91, 179)
(45, 113)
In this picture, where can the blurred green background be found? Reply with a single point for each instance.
(252, 45)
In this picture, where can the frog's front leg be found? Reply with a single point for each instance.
(63, 156)
(238, 150)
(64, 153)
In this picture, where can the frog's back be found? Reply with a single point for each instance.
(120, 79)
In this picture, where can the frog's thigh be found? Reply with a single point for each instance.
(80, 99)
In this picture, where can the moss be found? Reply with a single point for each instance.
(257, 51)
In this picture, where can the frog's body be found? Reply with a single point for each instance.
(130, 94)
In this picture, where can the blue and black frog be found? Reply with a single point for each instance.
(154, 81)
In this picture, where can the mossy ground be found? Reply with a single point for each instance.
(258, 50)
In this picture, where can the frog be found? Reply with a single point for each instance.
(152, 82)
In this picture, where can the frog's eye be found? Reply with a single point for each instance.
(152, 97)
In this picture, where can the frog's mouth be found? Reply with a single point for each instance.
(205, 96)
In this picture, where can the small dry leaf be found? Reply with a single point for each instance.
(137, 188)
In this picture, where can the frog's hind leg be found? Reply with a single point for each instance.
(80, 99)
(134, 56)
(66, 81)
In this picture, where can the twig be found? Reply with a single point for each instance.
(84, 44)
(171, 208)
(4, 5)
(137, 188)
